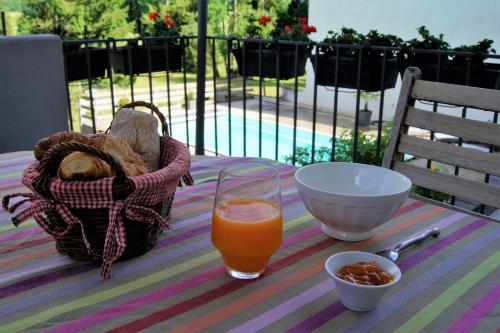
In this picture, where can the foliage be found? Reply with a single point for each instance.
(367, 149)
(136, 9)
(123, 81)
(278, 20)
(184, 13)
(10, 5)
(296, 8)
(431, 42)
(374, 38)
(297, 31)
(346, 36)
(428, 41)
(218, 17)
(163, 25)
(351, 36)
(57, 17)
(104, 19)
(367, 154)
(10, 19)
(367, 146)
(368, 96)
(431, 194)
(123, 101)
(73, 19)
(483, 46)
(265, 28)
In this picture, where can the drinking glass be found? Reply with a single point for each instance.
(247, 223)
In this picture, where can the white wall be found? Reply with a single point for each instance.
(461, 22)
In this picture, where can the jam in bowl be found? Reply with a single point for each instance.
(361, 278)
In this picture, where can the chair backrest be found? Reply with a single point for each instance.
(474, 131)
(33, 98)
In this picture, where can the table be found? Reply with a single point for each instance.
(448, 284)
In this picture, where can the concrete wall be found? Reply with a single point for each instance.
(461, 22)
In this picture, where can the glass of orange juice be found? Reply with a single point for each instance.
(247, 223)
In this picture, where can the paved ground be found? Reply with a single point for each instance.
(324, 120)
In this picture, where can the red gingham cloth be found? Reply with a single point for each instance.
(149, 190)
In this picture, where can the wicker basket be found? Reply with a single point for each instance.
(79, 218)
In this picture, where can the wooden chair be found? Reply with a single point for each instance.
(476, 132)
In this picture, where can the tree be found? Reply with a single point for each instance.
(10, 8)
(73, 19)
(136, 9)
(105, 18)
(185, 13)
(10, 5)
(57, 17)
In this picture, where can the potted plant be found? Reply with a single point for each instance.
(247, 56)
(191, 101)
(365, 114)
(452, 68)
(159, 49)
(372, 60)
(75, 57)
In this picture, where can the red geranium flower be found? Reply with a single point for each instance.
(153, 16)
(288, 28)
(302, 19)
(169, 22)
(264, 19)
(308, 28)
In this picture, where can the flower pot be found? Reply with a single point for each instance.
(139, 58)
(491, 76)
(364, 117)
(371, 72)
(76, 62)
(268, 62)
(453, 71)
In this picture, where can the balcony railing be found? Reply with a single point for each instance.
(273, 126)
(3, 23)
(150, 50)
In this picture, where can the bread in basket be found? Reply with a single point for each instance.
(107, 219)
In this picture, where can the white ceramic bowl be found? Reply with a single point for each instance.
(360, 297)
(350, 199)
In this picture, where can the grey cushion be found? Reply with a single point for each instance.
(33, 100)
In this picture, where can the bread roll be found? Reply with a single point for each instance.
(124, 152)
(82, 166)
(45, 144)
(140, 130)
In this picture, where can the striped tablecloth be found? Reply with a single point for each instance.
(448, 284)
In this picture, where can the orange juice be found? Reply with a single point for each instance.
(247, 232)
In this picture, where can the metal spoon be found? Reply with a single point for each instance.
(394, 254)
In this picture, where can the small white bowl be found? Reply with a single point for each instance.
(360, 297)
(351, 199)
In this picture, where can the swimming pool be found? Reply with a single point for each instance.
(285, 140)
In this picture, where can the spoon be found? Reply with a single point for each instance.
(394, 254)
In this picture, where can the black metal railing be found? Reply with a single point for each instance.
(2, 21)
(346, 68)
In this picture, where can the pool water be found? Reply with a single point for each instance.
(285, 139)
